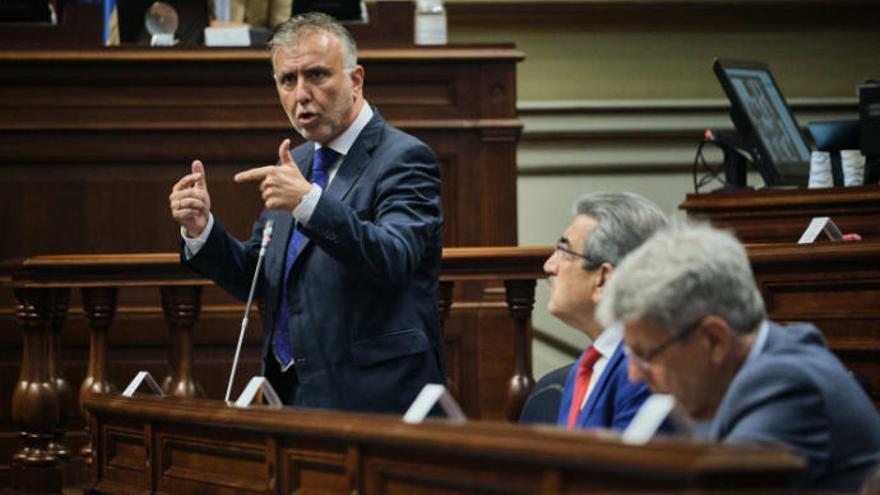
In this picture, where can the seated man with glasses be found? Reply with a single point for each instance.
(605, 228)
(695, 327)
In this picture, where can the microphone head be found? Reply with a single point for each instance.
(267, 232)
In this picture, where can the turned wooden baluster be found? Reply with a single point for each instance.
(444, 300)
(56, 376)
(182, 305)
(444, 303)
(99, 304)
(35, 403)
(520, 301)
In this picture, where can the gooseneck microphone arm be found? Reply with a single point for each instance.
(267, 236)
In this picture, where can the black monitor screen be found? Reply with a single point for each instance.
(764, 122)
(24, 11)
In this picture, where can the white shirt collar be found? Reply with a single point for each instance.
(608, 340)
(344, 141)
(758, 344)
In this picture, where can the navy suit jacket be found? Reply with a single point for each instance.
(797, 394)
(613, 401)
(362, 293)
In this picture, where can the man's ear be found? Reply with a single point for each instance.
(719, 336)
(357, 80)
(603, 273)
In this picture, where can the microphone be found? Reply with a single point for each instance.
(267, 236)
(725, 140)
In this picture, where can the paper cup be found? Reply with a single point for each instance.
(820, 170)
(853, 164)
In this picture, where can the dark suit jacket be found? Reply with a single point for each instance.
(613, 401)
(797, 394)
(362, 292)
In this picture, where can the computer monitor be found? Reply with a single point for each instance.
(765, 125)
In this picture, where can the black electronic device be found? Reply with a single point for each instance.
(27, 11)
(765, 125)
(192, 20)
(341, 10)
(869, 120)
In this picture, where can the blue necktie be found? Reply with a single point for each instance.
(324, 158)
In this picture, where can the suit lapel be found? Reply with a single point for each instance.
(357, 159)
(601, 385)
(567, 393)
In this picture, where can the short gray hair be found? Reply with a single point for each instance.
(681, 275)
(624, 220)
(294, 30)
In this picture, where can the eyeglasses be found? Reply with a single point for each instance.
(643, 361)
(560, 247)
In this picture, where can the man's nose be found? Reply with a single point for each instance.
(302, 93)
(550, 264)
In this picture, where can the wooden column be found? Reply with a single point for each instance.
(182, 305)
(444, 303)
(35, 402)
(520, 301)
(444, 300)
(56, 376)
(99, 304)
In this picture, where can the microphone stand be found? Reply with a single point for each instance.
(267, 236)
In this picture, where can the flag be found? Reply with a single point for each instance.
(111, 20)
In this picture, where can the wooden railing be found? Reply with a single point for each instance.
(43, 400)
(835, 285)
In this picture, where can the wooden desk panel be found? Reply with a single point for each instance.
(782, 215)
(836, 286)
(194, 446)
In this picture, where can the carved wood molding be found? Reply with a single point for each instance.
(634, 136)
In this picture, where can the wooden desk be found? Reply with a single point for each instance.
(782, 215)
(151, 445)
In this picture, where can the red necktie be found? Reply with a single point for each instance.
(581, 382)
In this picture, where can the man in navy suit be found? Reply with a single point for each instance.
(605, 228)
(350, 279)
(696, 327)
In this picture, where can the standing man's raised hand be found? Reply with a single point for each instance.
(282, 187)
(190, 202)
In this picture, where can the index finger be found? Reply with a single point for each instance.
(186, 181)
(253, 174)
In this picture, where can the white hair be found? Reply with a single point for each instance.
(292, 32)
(681, 275)
(624, 220)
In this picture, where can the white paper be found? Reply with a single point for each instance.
(249, 393)
(816, 227)
(227, 36)
(649, 418)
(140, 378)
(427, 398)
